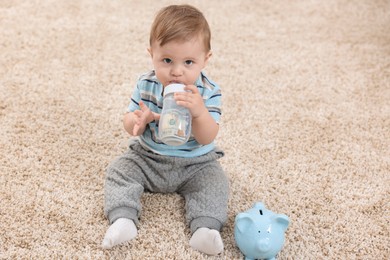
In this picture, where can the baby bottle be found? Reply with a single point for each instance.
(175, 120)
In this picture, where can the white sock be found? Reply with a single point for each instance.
(122, 230)
(207, 241)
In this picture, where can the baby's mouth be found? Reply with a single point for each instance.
(174, 82)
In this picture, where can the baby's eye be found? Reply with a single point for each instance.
(167, 60)
(189, 62)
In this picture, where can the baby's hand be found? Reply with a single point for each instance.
(142, 118)
(191, 100)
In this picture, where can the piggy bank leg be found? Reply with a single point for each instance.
(247, 258)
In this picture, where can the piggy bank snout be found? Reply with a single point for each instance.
(263, 245)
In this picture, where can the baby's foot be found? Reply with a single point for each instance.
(207, 240)
(122, 230)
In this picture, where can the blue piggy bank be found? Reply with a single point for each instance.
(259, 232)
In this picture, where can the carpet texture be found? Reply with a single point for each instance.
(305, 128)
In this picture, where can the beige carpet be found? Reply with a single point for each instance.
(306, 124)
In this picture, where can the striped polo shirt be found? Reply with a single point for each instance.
(150, 91)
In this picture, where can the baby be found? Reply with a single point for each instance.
(180, 49)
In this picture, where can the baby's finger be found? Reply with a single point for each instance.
(138, 113)
(191, 88)
(143, 106)
(156, 116)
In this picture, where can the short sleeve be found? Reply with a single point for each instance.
(135, 99)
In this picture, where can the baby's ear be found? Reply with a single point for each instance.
(208, 55)
(150, 51)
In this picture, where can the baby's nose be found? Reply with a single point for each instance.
(176, 70)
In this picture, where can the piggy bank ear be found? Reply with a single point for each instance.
(243, 222)
(283, 220)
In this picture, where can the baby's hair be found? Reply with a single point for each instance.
(180, 22)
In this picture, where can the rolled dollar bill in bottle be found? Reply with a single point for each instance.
(175, 121)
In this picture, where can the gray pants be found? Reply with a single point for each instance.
(200, 180)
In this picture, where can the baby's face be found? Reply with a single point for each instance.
(179, 61)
